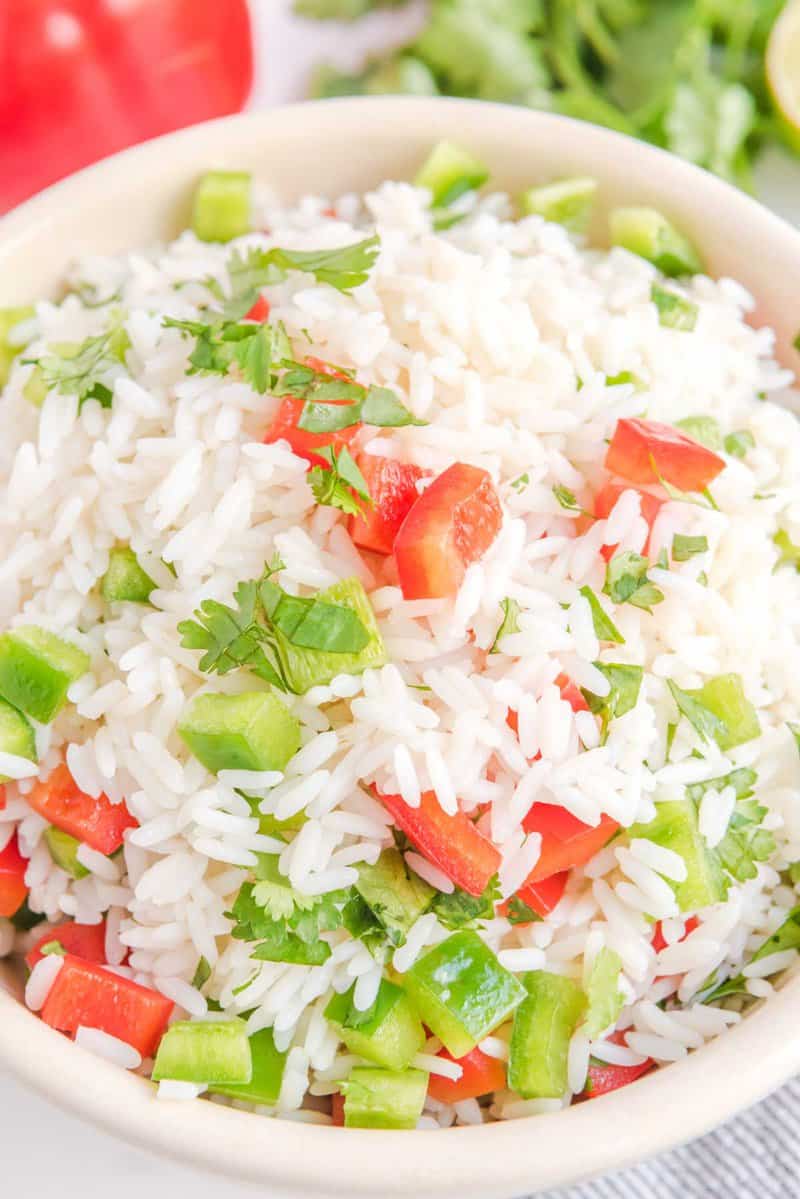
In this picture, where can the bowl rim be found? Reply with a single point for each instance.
(665, 1108)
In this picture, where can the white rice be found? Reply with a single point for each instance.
(501, 334)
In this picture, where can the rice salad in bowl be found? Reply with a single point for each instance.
(398, 676)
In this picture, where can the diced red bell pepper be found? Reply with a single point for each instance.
(658, 942)
(452, 843)
(83, 993)
(603, 1077)
(480, 1074)
(646, 451)
(87, 941)
(97, 822)
(2, 797)
(451, 525)
(566, 841)
(284, 423)
(13, 890)
(606, 498)
(259, 312)
(337, 1109)
(393, 488)
(542, 896)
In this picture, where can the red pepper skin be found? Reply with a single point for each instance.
(259, 312)
(451, 525)
(658, 941)
(393, 489)
(542, 896)
(86, 941)
(604, 1078)
(99, 823)
(647, 451)
(13, 891)
(480, 1074)
(566, 841)
(84, 993)
(284, 425)
(452, 843)
(337, 1109)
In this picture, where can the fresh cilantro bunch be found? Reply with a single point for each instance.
(251, 633)
(687, 75)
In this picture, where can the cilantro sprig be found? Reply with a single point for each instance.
(221, 343)
(85, 368)
(286, 924)
(344, 268)
(333, 403)
(250, 635)
(340, 484)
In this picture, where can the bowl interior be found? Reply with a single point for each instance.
(350, 145)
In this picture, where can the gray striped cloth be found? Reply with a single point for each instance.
(757, 1154)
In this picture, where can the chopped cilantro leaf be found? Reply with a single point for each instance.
(202, 973)
(521, 482)
(701, 718)
(704, 429)
(509, 623)
(335, 484)
(737, 444)
(461, 910)
(674, 311)
(789, 552)
(627, 581)
(84, 368)
(604, 627)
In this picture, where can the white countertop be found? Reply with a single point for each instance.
(40, 1145)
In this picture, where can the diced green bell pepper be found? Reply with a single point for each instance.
(395, 895)
(264, 1086)
(389, 1033)
(448, 172)
(16, 735)
(125, 581)
(9, 319)
(384, 1098)
(675, 827)
(543, 1026)
(249, 731)
(221, 208)
(36, 670)
(461, 991)
(205, 1052)
(724, 696)
(648, 233)
(305, 668)
(63, 849)
(567, 202)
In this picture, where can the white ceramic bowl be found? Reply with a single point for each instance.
(339, 146)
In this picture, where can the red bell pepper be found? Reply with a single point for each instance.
(646, 451)
(112, 74)
(542, 896)
(603, 1077)
(452, 843)
(392, 487)
(97, 822)
(480, 1074)
(86, 941)
(13, 891)
(566, 841)
(658, 941)
(285, 422)
(83, 993)
(606, 498)
(451, 525)
(259, 312)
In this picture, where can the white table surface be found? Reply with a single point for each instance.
(41, 1146)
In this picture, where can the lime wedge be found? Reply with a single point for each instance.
(783, 70)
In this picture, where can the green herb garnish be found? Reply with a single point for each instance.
(604, 627)
(674, 311)
(83, 368)
(509, 623)
(627, 582)
(335, 484)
